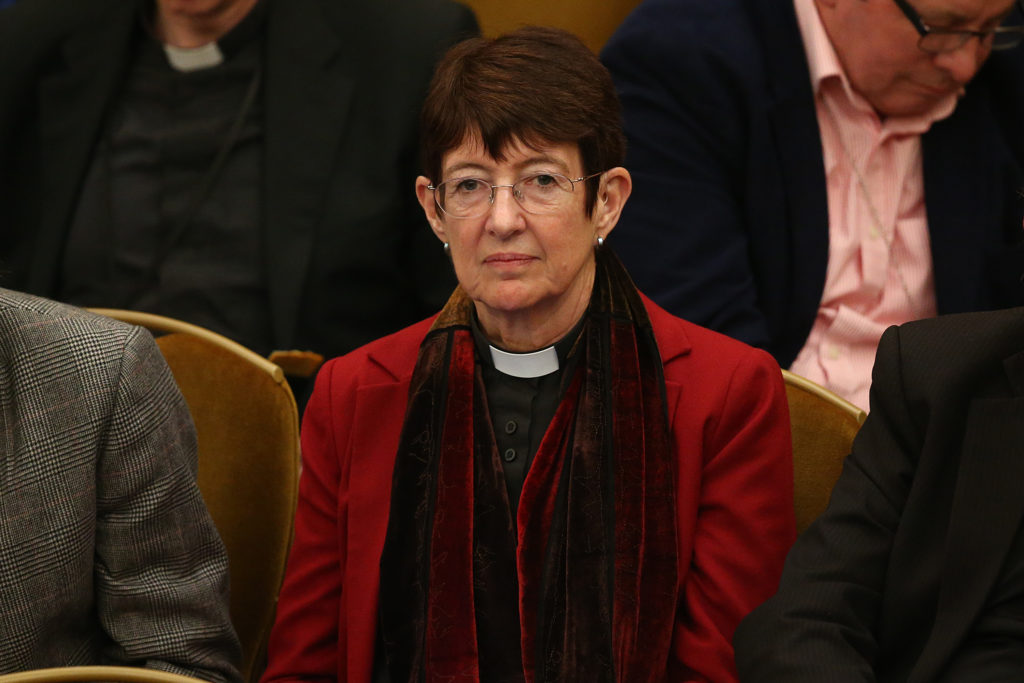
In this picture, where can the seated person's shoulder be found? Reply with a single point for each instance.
(962, 333)
(951, 354)
(28, 320)
(39, 20)
(410, 28)
(685, 26)
(386, 359)
(710, 353)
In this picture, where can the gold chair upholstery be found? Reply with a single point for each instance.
(823, 425)
(115, 674)
(248, 429)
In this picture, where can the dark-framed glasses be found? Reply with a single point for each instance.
(938, 40)
(538, 193)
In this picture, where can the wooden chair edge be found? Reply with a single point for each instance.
(810, 387)
(125, 674)
(152, 321)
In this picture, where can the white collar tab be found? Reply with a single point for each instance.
(525, 365)
(194, 58)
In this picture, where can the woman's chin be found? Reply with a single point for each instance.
(510, 300)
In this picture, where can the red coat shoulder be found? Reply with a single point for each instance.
(388, 359)
(705, 350)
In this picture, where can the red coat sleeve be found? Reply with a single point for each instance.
(304, 641)
(736, 521)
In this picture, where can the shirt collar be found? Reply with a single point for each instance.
(525, 365)
(822, 60)
(824, 66)
(211, 54)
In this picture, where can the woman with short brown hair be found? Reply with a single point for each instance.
(553, 479)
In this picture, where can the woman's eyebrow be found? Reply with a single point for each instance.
(463, 166)
(542, 159)
(476, 167)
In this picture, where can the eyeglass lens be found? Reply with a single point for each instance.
(948, 41)
(1008, 35)
(472, 197)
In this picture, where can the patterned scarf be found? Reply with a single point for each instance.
(586, 584)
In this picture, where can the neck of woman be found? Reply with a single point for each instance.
(523, 331)
(185, 29)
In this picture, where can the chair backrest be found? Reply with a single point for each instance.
(248, 429)
(115, 674)
(823, 425)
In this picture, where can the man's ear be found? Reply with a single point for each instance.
(426, 199)
(616, 184)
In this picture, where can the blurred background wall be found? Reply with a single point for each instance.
(592, 20)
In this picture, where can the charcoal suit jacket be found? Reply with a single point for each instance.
(107, 552)
(727, 225)
(914, 571)
(349, 256)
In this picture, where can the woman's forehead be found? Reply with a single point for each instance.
(517, 154)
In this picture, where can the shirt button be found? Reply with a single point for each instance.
(510, 427)
(833, 352)
(873, 232)
(510, 455)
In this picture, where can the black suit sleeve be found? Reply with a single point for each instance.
(683, 234)
(820, 624)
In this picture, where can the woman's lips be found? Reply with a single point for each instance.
(501, 260)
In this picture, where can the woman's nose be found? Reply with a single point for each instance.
(506, 215)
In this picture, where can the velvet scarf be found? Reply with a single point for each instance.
(585, 586)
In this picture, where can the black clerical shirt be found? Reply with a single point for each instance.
(521, 408)
(152, 230)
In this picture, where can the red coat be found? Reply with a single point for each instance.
(730, 424)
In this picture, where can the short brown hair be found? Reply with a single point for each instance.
(536, 85)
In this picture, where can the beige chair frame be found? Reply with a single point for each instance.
(160, 323)
(115, 674)
(253, 635)
(823, 426)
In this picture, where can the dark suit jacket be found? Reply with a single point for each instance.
(727, 225)
(730, 431)
(349, 255)
(107, 552)
(888, 582)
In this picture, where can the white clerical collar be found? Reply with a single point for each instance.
(194, 58)
(533, 364)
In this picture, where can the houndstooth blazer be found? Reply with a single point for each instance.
(107, 552)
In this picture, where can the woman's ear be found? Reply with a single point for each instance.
(426, 198)
(616, 184)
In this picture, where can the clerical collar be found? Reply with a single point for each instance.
(212, 54)
(525, 365)
(193, 58)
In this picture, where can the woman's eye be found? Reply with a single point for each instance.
(544, 179)
(468, 185)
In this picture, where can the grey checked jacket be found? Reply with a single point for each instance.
(107, 552)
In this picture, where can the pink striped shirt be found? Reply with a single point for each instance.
(879, 263)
